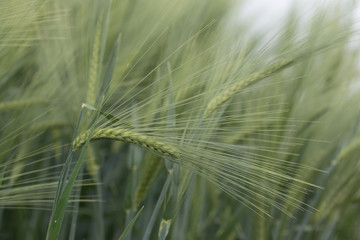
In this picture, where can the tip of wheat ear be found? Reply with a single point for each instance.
(228, 93)
(129, 136)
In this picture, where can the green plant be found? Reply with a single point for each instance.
(204, 131)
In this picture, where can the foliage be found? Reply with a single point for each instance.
(202, 130)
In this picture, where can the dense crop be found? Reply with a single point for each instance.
(203, 131)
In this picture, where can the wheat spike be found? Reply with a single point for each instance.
(17, 104)
(152, 165)
(94, 65)
(235, 88)
(129, 136)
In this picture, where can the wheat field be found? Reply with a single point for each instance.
(155, 119)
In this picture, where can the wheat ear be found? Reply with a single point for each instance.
(129, 136)
(153, 163)
(235, 88)
(94, 65)
(17, 104)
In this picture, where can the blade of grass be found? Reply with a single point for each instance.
(130, 225)
(65, 187)
(157, 208)
(76, 209)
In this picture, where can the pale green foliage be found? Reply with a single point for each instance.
(218, 134)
